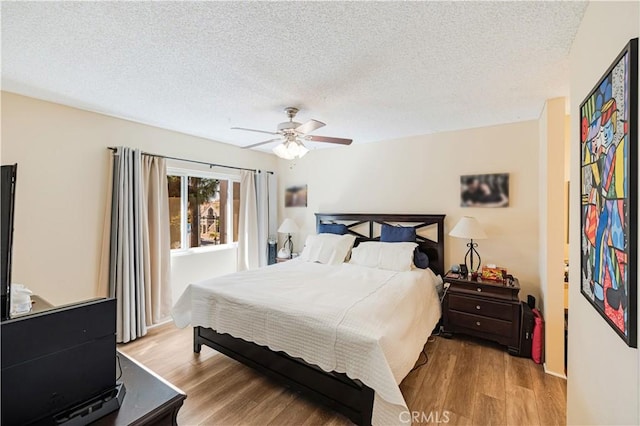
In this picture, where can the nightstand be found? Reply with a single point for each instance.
(282, 259)
(486, 309)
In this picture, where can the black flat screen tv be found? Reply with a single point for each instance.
(56, 360)
(7, 202)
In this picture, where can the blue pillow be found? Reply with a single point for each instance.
(404, 234)
(420, 259)
(397, 234)
(333, 228)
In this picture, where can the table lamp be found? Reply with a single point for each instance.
(469, 228)
(288, 227)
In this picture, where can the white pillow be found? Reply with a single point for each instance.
(389, 256)
(330, 249)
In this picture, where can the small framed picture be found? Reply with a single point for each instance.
(296, 196)
(490, 190)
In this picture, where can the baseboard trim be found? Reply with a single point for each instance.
(162, 322)
(553, 373)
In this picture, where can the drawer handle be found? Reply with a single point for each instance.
(478, 323)
(479, 289)
(478, 307)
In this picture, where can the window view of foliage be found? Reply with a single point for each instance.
(208, 209)
(175, 210)
(203, 211)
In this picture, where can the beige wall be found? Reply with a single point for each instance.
(603, 382)
(552, 238)
(60, 196)
(187, 269)
(422, 175)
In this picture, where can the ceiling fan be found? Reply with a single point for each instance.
(292, 134)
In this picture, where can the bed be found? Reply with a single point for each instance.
(327, 332)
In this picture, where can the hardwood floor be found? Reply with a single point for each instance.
(466, 381)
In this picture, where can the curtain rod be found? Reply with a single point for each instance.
(113, 148)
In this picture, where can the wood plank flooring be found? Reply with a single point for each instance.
(466, 381)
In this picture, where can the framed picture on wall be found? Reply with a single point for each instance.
(295, 196)
(609, 194)
(490, 190)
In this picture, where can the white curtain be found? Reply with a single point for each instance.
(139, 261)
(158, 282)
(248, 253)
(266, 195)
(105, 255)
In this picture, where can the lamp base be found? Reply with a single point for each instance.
(288, 244)
(472, 249)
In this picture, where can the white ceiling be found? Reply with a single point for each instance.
(370, 70)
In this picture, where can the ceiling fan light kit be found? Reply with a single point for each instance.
(291, 134)
(290, 150)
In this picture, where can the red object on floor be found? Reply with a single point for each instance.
(537, 344)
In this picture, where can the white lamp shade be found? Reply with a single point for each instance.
(302, 150)
(468, 228)
(288, 227)
(282, 152)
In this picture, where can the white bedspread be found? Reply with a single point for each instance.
(368, 323)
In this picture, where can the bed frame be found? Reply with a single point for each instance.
(335, 390)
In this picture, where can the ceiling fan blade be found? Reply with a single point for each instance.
(254, 130)
(309, 126)
(328, 139)
(261, 143)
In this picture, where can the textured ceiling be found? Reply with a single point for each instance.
(371, 71)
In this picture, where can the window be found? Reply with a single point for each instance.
(203, 209)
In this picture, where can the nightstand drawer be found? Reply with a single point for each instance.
(484, 289)
(480, 323)
(478, 306)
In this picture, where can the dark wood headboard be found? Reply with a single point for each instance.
(433, 249)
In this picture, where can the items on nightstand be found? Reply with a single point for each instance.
(284, 253)
(463, 269)
(494, 273)
(469, 228)
(288, 227)
(285, 259)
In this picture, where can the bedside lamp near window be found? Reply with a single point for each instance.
(288, 227)
(469, 228)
